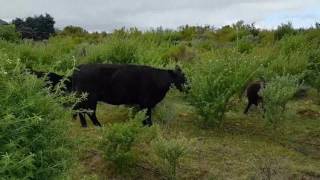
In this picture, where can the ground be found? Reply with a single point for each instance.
(243, 149)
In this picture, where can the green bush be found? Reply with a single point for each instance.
(115, 50)
(34, 141)
(171, 152)
(291, 56)
(214, 82)
(56, 54)
(73, 31)
(165, 112)
(246, 44)
(180, 53)
(118, 142)
(119, 139)
(312, 74)
(276, 95)
(9, 33)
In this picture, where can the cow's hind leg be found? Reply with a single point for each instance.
(92, 105)
(83, 120)
(74, 116)
(247, 108)
(148, 121)
(94, 119)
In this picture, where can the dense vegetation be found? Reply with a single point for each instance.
(38, 142)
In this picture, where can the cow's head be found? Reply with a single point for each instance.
(178, 78)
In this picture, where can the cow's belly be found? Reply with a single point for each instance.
(146, 99)
(120, 99)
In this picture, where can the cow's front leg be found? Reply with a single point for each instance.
(83, 120)
(148, 121)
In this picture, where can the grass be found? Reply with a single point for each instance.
(243, 149)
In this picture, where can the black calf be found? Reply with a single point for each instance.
(253, 94)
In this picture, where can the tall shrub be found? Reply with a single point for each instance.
(119, 140)
(34, 141)
(276, 95)
(214, 82)
(121, 51)
(312, 73)
(171, 152)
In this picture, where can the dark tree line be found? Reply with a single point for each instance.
(36, 28)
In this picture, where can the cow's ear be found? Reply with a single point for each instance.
(178, 69)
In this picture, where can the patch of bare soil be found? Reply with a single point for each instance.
(309, 113)
(309, 144)
(93, 162)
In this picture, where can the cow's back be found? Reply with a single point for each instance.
(92, 78)
(142, 85)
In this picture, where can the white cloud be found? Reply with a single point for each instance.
(110, 14)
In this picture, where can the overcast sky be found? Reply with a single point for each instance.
(105, 15)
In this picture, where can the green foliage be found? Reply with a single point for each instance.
(291, 56)
(246, 44)
(283, 30)
(214, 82)
(73, 31)
(312, 74)
(122, 51)
(8, 33)
(115, 50)
(118, 142)
(276, 95)
(187, 32)
(34, 141)
(235, 32)
(118, 146)
(171, 152)
(225, 34)
(180, 53)
(165, 112)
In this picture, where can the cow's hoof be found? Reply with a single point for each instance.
(74, 117)
(98, 125)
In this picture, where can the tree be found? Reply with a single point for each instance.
(37, 27)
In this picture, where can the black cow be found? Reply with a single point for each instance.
(253, 96)
(123, 84)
